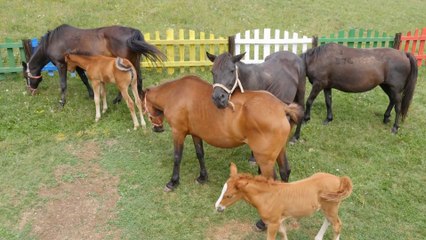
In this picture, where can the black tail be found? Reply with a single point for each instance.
(138, 44)
(410, 85)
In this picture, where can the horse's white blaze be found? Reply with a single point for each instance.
(225, 187)
(321, 232)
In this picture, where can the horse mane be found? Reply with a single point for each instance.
(45, 39)
(257, 179)
(315, 52)
(220, 60)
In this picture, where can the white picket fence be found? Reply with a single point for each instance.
(258, 47)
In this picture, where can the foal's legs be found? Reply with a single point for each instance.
(316, 89)
(138, 103)
(330, 210)
(272, 230)
(125, 94)
(321, 232)
(283, 231)
(103, 95)
(328, 102)
(96, 91)
(199, 150)
(83, 77)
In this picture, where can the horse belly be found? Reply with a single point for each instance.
(356, 82)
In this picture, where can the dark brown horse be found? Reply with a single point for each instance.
(282, 74)
(114, 41)
(359, 70)
(257, 119)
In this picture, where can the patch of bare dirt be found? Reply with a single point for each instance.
(232, 230)
(81, 205)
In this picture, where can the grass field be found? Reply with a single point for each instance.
(64, 176)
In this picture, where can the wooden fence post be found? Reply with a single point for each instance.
(397, 41)
(231, 45)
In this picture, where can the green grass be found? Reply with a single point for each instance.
(387, 170)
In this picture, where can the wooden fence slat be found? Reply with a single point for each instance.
(277, 36)
(266, 47)
(417, 42)
(181, 49)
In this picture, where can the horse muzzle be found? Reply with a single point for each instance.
(31, 90)
(158, 128)
(220, 208)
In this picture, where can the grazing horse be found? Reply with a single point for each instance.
(358, 70)
(258, 119)
(113, 41)
(102, 70)
(276, 201)
(282, 74)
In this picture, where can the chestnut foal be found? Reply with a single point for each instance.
(102, 70)
(276, 201)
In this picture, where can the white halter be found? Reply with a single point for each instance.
(237, 82)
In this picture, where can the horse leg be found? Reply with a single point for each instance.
(272, 230)
(178, 141)
(252, 160)
(328, 102)
(96, 91)
(138, 103)
(83, 78)
(283, 231)
(330, 210)
(103, 95)
(299, 99)
(388, 92)
(398, 99)
(125, 94)
(62, 70)
(199, 150)
(321, 232)
(316, 89)
(283, 166)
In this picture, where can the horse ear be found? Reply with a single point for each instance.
(238, 57)
(233, 169)
(24, 65)
(211, 56)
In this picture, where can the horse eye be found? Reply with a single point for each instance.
(228, 196)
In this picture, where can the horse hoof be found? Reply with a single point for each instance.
(201, 180)
(167, 189)
(394, 130)
(326, 122)
(260, 226)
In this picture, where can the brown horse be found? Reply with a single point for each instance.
(276, 201)
(358, 70)
(257, 119)
(113, 41)
(102, 70)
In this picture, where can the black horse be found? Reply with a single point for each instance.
(282, 74)
(358, 70)
(116, 41)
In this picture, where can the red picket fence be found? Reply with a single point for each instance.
(415, 43)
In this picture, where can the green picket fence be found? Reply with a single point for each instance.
(359, 38)
(11, 55)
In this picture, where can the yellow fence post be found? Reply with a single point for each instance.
(170, 51)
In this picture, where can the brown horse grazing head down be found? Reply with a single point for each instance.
(358, 70)
(257, 119)
(276, 201)
(102, 70)
(112, 41)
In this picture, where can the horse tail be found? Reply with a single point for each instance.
(138, 44)
(294, 112)
(345, 190)
(126, 66)
(410, 84)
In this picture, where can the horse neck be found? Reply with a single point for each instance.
(256, 192)
(38, 60)
(245, 74)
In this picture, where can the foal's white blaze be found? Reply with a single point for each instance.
(321, 232)
(225, 187)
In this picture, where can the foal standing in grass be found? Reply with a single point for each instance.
(102, 70)
(276, 201)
